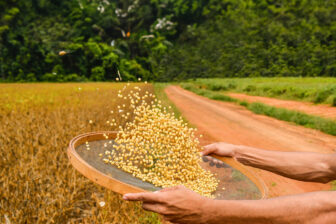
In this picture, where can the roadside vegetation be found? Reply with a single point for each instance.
(318, 123)
(37, 182)
(162, 96)
(315, 90)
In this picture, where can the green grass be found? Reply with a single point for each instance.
(207, 93)
(315, 90)
(161, 95)
(318, 123)
(314, 122)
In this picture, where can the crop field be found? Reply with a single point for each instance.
(37, 182)
(316, 90)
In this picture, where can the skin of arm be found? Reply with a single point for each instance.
(181, 205)
(304, 166)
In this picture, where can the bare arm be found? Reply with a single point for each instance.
(316, 207)
(181, 205)
(305, 166)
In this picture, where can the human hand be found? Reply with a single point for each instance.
(176, 204)
(220, 149)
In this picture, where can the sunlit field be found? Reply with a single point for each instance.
(37, 182)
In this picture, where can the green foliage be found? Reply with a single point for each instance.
(48, 77)
(333, 101)
(165, 40)
(165, 102)
(74, 78)
(100, 38)
(207, 93)
(322, 124)
(31, 77)
(97, 74)
(257, 38)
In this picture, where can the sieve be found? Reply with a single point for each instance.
(235, 180)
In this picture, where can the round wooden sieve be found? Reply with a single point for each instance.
(236, 181)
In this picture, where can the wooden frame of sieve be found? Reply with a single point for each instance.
(122, 188)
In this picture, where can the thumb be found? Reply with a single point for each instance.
(208, 149)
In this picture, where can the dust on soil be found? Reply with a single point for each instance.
(321, 110)
(227, 122)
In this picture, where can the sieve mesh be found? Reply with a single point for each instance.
(233, 183)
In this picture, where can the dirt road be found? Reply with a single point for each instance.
(221, 121)
(305, 107)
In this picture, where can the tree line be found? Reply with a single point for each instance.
(165, 40)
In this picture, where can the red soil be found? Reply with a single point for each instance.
(221, 121)
(325, 111)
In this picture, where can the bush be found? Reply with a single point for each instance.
(322, 124)
(217, 87)
(31, 77)
(48, 77)
(74, 78)
(322, 96)
(250, 88)
(264, 38)
(334, 101)
(97, 74)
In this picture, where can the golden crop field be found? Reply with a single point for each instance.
(37, 182)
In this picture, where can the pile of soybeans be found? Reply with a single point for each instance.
(157, 147)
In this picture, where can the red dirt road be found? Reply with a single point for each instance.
(305, 107)
(221, 121)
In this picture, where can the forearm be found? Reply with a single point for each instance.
(317, 207)
(303, 166)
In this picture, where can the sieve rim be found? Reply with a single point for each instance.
(122, 188)
(92, 173)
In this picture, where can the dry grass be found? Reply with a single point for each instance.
(37, 183)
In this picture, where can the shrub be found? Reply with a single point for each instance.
(31, 77)
(97, 74)
(322, 96)
(334, 101)
(322, 124)
(217, 87)
(74, 78)
(250, 88)
(48, 77)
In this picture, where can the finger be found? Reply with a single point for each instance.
(208, 149)
(217, 162)
(157, 208)
(205, 159)
(145, 197)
